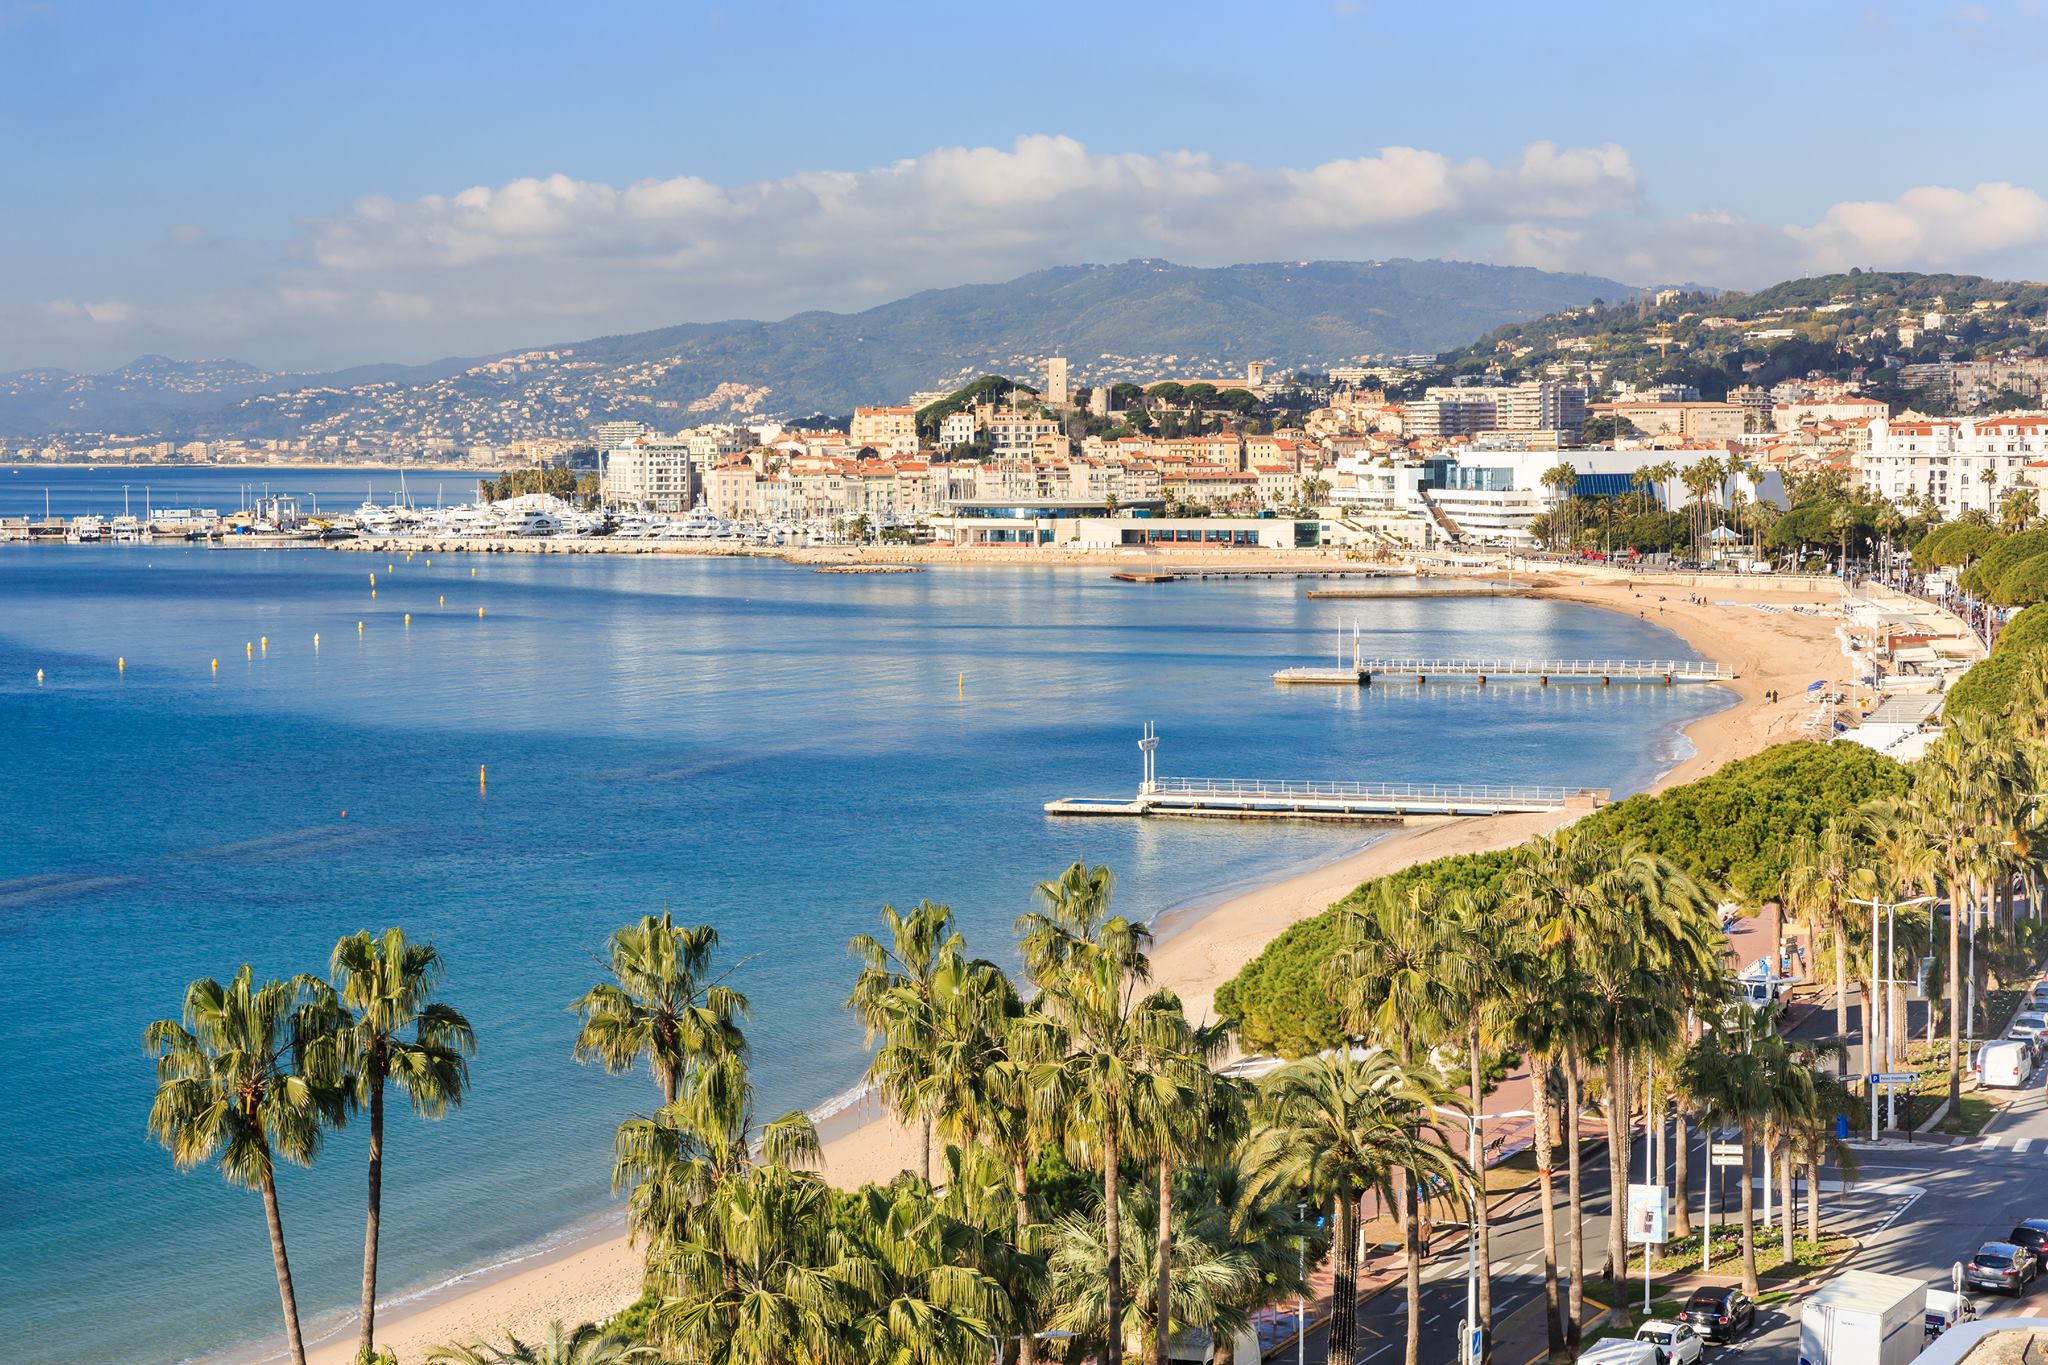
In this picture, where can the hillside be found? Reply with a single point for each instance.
(1136, 319)
(1830, 323)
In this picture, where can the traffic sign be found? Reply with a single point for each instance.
(1895, 1078)
(1733, 1149)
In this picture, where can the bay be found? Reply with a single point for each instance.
(753, 744)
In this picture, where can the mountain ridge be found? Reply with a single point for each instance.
(1129, 319)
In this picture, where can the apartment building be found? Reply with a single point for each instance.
(1012, 437)
(1956, 464)
(886, 431)
(1692, 420)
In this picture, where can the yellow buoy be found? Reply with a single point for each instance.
(963, 684)
(316, 639)
(216, 665)
(430, 563)
(479, 613)
(472, 573)
(408, 618)
(266, 644)
(479, 777)
(390, 568)
(373, 579)
(120, 665)
(373, 592)
(250, 650)
(444, 599)
(359, 627)
(39, 677)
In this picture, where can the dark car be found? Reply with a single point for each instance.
(1719, 1314)
(2002, 1265)
(2030, 1233)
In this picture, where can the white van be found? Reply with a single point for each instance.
(2005, 1064)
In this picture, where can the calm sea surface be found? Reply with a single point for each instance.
(773, 750)
(111, 490)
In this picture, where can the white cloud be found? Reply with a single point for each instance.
(1930, 226)
(556, 245)
(103, 313)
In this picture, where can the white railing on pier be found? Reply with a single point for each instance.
(1551, 668)
(1237, 787)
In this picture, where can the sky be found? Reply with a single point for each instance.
(309, 186)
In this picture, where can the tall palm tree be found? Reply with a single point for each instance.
(1102, 1036)
(662, 1003)
(895, 999)
(1336, 1127)
(1474, 974)
(393, 1030)
(1818, 883)
(1749, 1078)
(1189, 1113)
(246, 1076)
(1386, 979)
(1538, 997)
(587, 1345)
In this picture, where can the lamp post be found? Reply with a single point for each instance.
(1301, 1273)
(1475, 1332)
(1876, 1026)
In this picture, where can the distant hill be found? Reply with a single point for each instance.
(1135, 319)
(1714, 340)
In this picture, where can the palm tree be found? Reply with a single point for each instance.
(662, 1004)
(1558, 478)
(1473, 975)
(1813, 1143)
(248, 1076)
(1751, 1080)
(1189, 1113)
(1334, 1128)
(1842, 521)
(1386, 981)
(394, 1030)
(756, 1281)
(1818, 882)
(922, 1297)
(1102, 1037)
(1537, 998)
(894, 997)
(587, 1345)
(677, 1160)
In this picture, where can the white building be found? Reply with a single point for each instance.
(956, 429)
(1014, 437)
(886, 431)
(652, 471)
(1954, 463)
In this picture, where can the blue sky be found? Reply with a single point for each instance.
(308, 186)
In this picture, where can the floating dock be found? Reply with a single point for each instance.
(1241, 798)
(1228, 571)
(1364, 672)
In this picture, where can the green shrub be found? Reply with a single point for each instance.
(1958, 542)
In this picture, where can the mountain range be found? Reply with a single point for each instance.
(1137, 319)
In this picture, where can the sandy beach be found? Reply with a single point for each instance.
(1778, 650)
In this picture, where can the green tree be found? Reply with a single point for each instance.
(1333, 1129)
(587, 1345)
(393, 1030)
(1818, 885)
(248, 1076)
(896, 997)
(662, 1004)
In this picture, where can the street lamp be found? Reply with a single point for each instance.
(1875, 1027)
(1474, 1191)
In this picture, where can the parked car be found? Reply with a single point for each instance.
(1676, 1342)
(2032, 1026)
(2039, 999)
(1612, 1352)
(1719, 1314)
(2004, 1266)
(2030, 1233)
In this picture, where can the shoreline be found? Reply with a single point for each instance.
(591, 1280)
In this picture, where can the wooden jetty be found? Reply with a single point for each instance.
(1364, 672)
(1233, 571)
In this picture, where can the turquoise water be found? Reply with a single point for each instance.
(771, 749)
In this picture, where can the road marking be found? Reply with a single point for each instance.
(1989, 1143)
(1893, 1216)
(2022, 1145)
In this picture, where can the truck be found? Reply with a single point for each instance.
(1863, 1318)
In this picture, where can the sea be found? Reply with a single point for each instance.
(510, 755)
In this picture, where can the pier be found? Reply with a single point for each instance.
(1175, 575)
(1267, 798)
(1364, 672)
